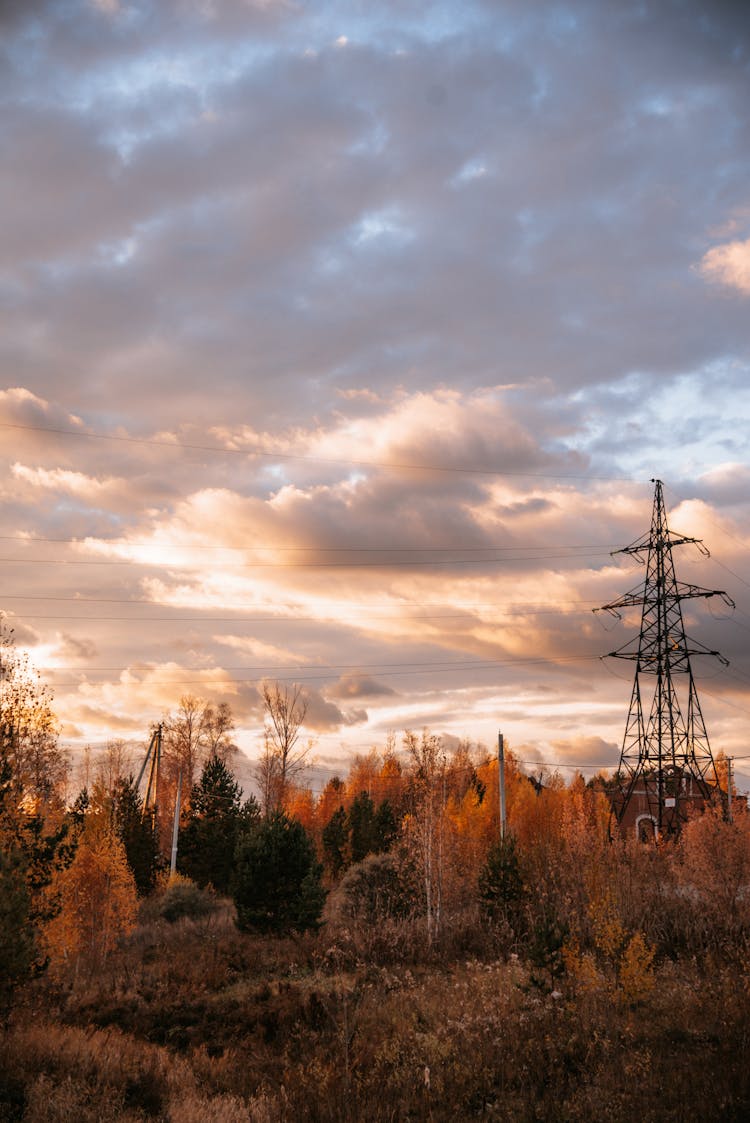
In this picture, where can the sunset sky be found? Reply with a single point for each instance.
(341, 342)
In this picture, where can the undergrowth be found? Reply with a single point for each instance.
(192, 1021)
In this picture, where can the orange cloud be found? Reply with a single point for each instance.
(728, 265)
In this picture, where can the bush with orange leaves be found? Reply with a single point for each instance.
(712, 868)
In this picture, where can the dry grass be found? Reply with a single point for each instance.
(642, 1013)
(197, 1022)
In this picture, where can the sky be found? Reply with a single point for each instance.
(341, 343)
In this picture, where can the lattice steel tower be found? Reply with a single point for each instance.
(666, 766)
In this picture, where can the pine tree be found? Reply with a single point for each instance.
(386, 827)
(16, 930)
(277, 882)
(362, 827)
(135, 832)
(209, 834)
(335, 839)
(501, 885)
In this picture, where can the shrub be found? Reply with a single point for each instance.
(501, 884)
(374, 889)
(182, 897)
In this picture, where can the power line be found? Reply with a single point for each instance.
(328, 549)
(308, 676)
(459, 608)
(146, 603)
(305, 458)
(384, 564)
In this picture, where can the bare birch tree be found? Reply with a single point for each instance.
(426, 820)
(285, 708)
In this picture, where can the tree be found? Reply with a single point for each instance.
(35, 839)
(385, 827)
(278, 880)
(184, 740)
(377, 888)
(501, 885)
(197, 731)
(285, 708)
(16, 929)
(425, 824)
(362, 832)
(218, 725)
(209, 835)
(135, 832)
(335, 840)
(114, 763)
(97, 900)
(28, 726)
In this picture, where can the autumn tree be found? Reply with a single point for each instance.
(114, 763)
(183, 741)
(426, 822)
(283, 757)
(712, 863)
(29, 728)
(96, 899)
(330, 799)
(34, 833)
(197, 731)
(218, 727)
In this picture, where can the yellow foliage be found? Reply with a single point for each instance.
(636, 969)
(608, 930)
(97, 898)
(581, 968)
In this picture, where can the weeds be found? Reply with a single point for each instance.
(619, 991)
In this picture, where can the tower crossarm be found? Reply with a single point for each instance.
(668, 540)
(643, 597)
(650, 659)
(684, 592)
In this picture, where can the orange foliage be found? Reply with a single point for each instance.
(331, 798)
(98, 901)
(300, 805)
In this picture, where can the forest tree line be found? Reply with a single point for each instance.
(409, 838)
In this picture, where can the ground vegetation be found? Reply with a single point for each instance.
(332, 969)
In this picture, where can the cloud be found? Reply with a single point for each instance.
(77, 648)
(728, 265)
(359, 686)
(587, 752)
(264, 286)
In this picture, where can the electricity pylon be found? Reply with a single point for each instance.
(666, 766)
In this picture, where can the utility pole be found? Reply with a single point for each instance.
(729, 788)
(666, 759)
(501, 780)
(176, 826)
(153, 755)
